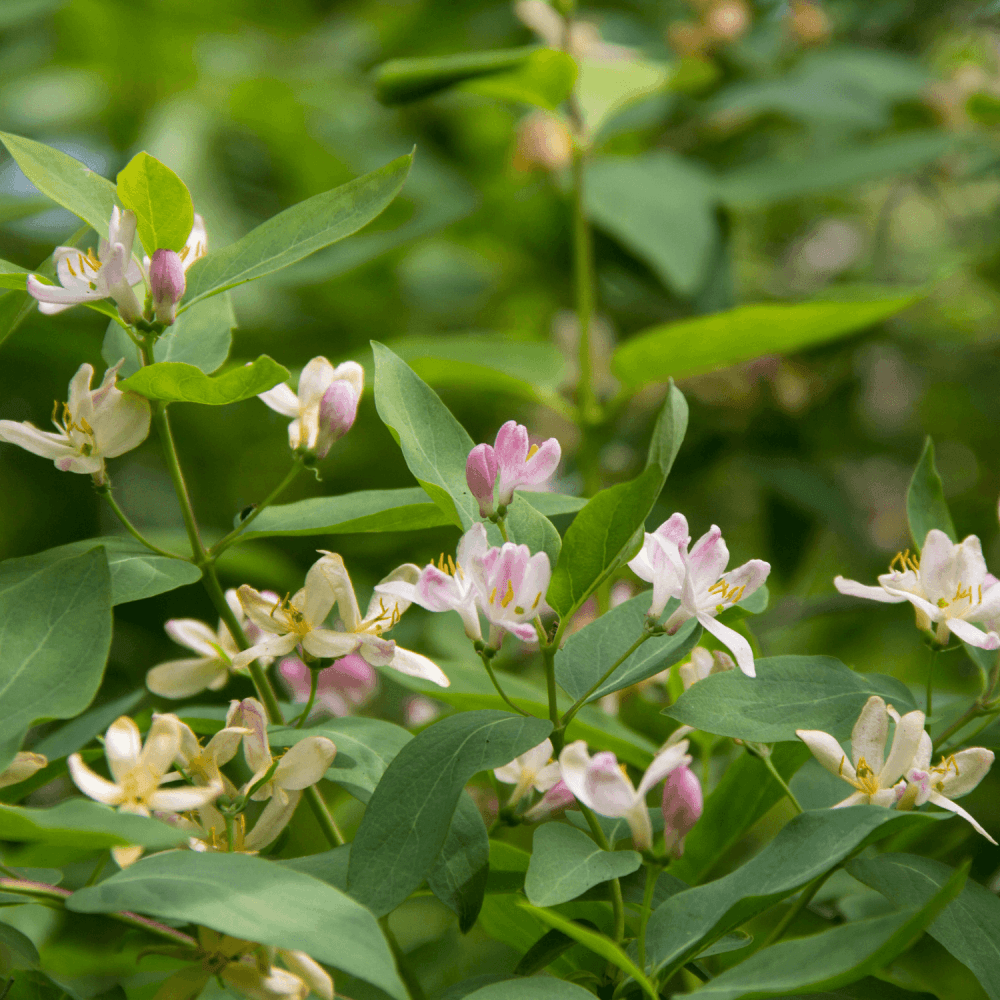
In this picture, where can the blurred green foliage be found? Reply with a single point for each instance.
(803, 151)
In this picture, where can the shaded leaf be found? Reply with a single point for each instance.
(527, 526)
(459, 875)
(530, 989)
(926, 507)
(545, 79)
(77, 733)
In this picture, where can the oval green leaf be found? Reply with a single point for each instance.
(926, 507)
(176, 382)
(160, 200)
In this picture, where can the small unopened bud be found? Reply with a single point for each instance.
(810, 23)
(682, 804)
(542, 141)
(481, 473)
(728, 20)
(167, 284)
(337, 410)
(556, 799)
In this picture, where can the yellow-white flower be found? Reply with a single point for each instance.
(22, 767)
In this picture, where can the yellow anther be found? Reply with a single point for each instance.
(531, 452)
(493, 595)
(184, 252)
(451, 565)
(508, 595)
(906, 562)
(538, 597)
(69, 264)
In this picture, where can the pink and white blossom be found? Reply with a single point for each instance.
(681, 806)
(346, 684)
(555, 800)
(948, 586)
(93, 425)
(600, 783)
(533, 769)
(695, 575)
(324, 407)
(511, 463)
(511, 585)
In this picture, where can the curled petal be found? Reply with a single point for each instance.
(828, 752)
(736, 643)
(183, 678)
(945, 803)
(969, 767)
(281, 399)
(854, 589)
(91, 784)
(414, 665)
(305, 763)
(870, 733)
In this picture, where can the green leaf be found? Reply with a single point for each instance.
(12, 276)
(77, 733)
(508, 866)
(365, 748)
(926, 507)
(136, 572)
(983, 108)
(471, 689)
(969, 926)
(176, 382)
(201, 336)
(543, 953)
(17, 950)
(527, 526)
(746, 791)
(806, 847)
(401, 80)
(788, 693)
(565, 863)
(545, 79)
(85, 824)
(160, 200)
(459, 875)
(596, 942)
(65, 180)
(606, 88)
(55, 634)
(297, 232)
(705, 343)
(328, 866)
(553, 504)
(367, 511)
(587, 654)
(604, 531)
(253, 899)
(661, 207)
(533, 988)
(836, 957)
(407, 820)
(435, 445)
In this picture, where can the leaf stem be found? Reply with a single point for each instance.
(930, 681)
(582, 700)
(220, 546)
(324, 817)
(162, 422)
(132, 529)
(313, 685)
(617, 903)
(804, 899)
(652, 874)
(769, 764)
(496, 684)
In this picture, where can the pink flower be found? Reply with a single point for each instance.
(682, 804)
(511, 585)
(555, 800)
(519, 466)
(481, 475)
(345, 684)
(167, 283)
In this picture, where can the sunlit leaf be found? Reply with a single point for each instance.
(176, 382)
(160, 200)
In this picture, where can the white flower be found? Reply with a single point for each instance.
(532, 769)
(696, 576)
(875, 777)
(86, 278)
(948, 586)
(324, 408)
(702, 664)
(601, 783)
(22, 767)
(137, 771)
(511, 583)
(953, 777)
(215, 648)
(93, 425)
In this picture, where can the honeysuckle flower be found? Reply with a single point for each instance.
(22, 767)
(585, 40)
(511, 584)
(696, 576)
(86, 278)
(418, 711)
(202, 764)
(555, 800)
(703, 663)
(533, 769)
(951, 778)
(447, 586)
(167, 283)
(875, 777)
(345, 684)
(601, 784)
(682, 805)
(324, 407)
(195, 247)
(93, 425)
(522, 465)
(948, 586)
(137, 771)
(481, 475)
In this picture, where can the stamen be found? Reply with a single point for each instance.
(532, 451)
(184, 252)
(538, 597)
(69, 264)
(493, 595)
(508, 595)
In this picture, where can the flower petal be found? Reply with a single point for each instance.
(91, 784)
(414, 665)
(305, 763)
(870, 733)
(194, 634)
(944, 803)
(970, 767)
(905, 744)
(272, 820)
(854, 589)
(736, 643)
(44, 443)
(938, 558)
(828, 752)
(183, 799)
(314, 381)
(163, 743)
(123, 747)
(272, 645)
(308, 970)
(281, 399)
(183, 678)
(662, 764)
(968, 632)
(341, 591)
(258, 607)
(388, 605)
(327, 643)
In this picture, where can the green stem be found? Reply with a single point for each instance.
(219, 547)
(964, 720)
(583, 266)
(805, 898)
(324, 817)
(162, 422)
(313, 685)
(617, 903)
(930, 683)
(549, 656)
(652, 874)
(582, 700)
(132, 529)
(496, 684)
(503, 529)
(413, 986)
(769, 764)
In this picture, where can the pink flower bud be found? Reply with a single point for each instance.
(337, 410)
(481, 474)
(556, 799)
(521, 466)
(167, 283)
(682, 803)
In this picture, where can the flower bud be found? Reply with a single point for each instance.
(480, 474)
(556, 799)
(542, 141)
(337, 410)
(682, 803)
(167, 284)
(22, 767)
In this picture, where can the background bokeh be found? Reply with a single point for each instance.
(854, 140)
